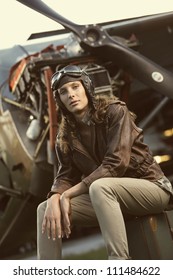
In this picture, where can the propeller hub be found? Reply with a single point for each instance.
(93, 35)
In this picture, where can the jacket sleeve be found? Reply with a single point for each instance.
(67, 175)
(119, 142)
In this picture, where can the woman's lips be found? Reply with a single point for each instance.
(73, 103)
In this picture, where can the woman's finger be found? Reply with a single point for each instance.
(66, 223)
(44, 225)
(48, 229)
(53, 229)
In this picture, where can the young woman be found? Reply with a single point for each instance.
(105, 172)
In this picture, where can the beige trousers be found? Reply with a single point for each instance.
(109, 201)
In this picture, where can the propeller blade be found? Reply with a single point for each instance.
(95, 39)
(42, 8)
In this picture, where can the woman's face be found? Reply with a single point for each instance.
(74, 98)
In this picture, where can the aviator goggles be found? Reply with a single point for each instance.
(72, 71)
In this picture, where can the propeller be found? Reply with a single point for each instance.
(95, 39)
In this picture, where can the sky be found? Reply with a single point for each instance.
(17, 21)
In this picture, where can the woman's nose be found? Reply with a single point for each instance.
(70, 93)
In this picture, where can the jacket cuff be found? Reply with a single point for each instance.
(50, 194)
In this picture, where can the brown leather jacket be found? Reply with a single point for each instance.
(117, 151)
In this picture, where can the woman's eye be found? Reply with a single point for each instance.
(62, 92)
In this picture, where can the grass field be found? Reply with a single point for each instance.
(99, 254)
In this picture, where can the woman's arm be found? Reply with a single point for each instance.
(120, 137)
(67, 175)
(76, 190)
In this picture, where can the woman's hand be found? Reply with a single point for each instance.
(66, 211)
(52, 218)
(65, 204)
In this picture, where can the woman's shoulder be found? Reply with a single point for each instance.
(116, 105)
(118, 109)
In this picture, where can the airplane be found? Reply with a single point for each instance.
(130, 58)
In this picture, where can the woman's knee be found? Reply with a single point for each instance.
(105, 187)
(95, 187)
(100, 189)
